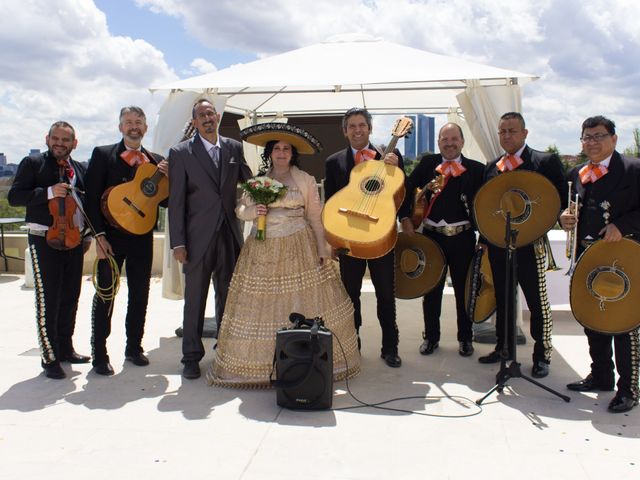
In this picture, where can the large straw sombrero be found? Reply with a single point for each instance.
(419, 265)
(479, 293)
(260, 134)
(531, 199)
(603, 287)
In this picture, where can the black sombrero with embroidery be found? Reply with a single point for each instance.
(263, 133)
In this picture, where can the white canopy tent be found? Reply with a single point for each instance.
(356, 70)
(347, 71)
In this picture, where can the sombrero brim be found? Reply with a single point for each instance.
(429, 269)
(542, 205)
(263, 133)
(610, 317)
(484, 304)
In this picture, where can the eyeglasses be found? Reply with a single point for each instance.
(598, 137)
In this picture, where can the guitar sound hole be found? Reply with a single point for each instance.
(148, 188)
(371, 185)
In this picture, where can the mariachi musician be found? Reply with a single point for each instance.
(608, 187)
(448, 220)
(531, 260)
(44, 183)
(112, 165)
(356, 128)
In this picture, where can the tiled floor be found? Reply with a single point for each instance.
(149, 423)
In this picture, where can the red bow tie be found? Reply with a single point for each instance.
(133, 158)
(592, 172)
(364, 155)
(68, 170)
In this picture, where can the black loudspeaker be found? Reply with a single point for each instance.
(304, 368)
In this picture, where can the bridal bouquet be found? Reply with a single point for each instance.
(263, 190)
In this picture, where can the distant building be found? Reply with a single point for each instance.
(34, 151)
(422, 136)
(3, 159)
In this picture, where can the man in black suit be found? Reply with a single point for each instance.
(449, 222)
(57, 273)
(204, 231)
(608, 186)
(111, 165)
(531, 260)
(356, 127)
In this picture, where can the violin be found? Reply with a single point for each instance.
(63, 234)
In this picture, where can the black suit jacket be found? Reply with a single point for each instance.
(106, 169)
(470, 182)
(338, 169)
(616, 195)
(34, 176)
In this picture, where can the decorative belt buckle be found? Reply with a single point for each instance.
(450, 230)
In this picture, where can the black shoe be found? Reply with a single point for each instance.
(139, 359)
(540, 369)
(590, 384)
(74, 357)
(466, 349)
(621, 404)
(191, 370)
(103, 368)
(493, 357)
(428, 347)
(391, 359)
(53, 370)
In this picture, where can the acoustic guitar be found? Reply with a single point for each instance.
(133, 206)
(360, 219)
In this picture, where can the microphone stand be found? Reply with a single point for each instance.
(512, 370)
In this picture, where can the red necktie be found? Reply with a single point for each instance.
(509, 162)
(364, 155)
(592, 172)
(451, 168)
(133, 158)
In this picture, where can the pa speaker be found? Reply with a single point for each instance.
(304, 369)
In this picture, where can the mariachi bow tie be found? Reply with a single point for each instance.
(451, 168)
(592, 172)
(133, 158)
(364, 155)
(509, 162)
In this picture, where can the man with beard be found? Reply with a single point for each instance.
(111, 165)
(40, 179)
(203, 228)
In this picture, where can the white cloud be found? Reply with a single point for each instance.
(200, 66)
(60, 62)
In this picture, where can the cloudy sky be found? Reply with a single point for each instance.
(81, 60)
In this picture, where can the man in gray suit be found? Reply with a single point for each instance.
(204, 231)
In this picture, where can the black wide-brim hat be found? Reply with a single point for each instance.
(263, 133)
(530, 197)
(604, 287)
(419, 265)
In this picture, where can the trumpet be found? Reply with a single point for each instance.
(436, 185)
(572, 236)
(543, 247)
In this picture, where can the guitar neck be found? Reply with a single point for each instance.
(391, 146)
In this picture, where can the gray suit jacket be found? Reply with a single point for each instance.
(198, 201)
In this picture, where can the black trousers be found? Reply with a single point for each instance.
(136, 253)
(532, 280)
(216, 266)
(458, 251)
(57, 276)
(382, 276)
(627, 358)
